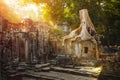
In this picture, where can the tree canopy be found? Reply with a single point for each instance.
(105, 15)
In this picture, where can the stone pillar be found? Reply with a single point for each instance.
(34, 52)
(26, 51)
(17, 47)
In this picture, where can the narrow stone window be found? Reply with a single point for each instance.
(85, 49)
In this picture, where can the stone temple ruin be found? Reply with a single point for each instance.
(82, 42)
(30, 46)
(34, 43)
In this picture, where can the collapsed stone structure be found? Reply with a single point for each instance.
(82, 42)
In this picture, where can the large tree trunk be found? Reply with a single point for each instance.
(86, 32)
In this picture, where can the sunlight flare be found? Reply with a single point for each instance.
(17, 10)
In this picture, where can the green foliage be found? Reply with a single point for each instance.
(56, 32)
(105, 15)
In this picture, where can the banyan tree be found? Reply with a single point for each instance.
(82, 42)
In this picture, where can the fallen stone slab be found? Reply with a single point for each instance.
(46, 69)
(52, 75)
(22, 64)
(75, 71)
(41, 67)
(21, 68)
(37, 66)
(35, 75)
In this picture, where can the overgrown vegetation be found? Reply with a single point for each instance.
(105, 15)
